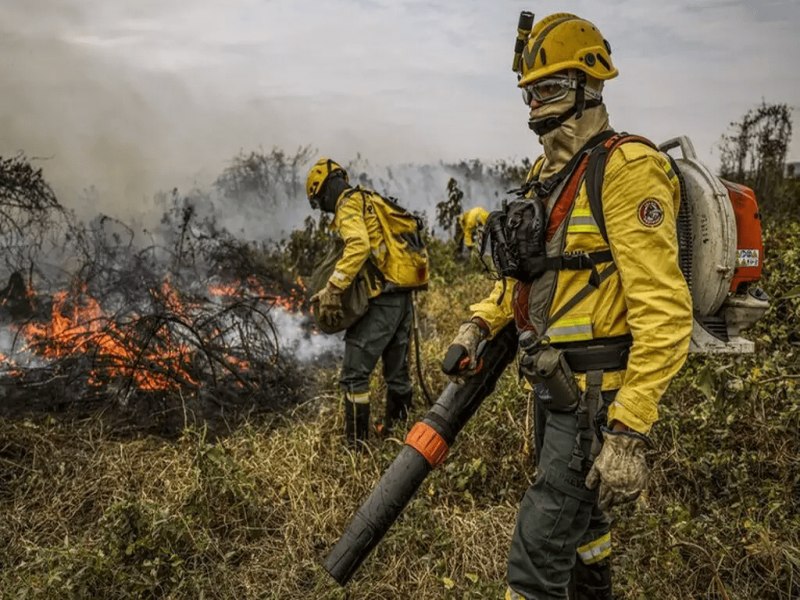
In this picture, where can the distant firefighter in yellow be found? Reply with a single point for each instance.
(470, 228)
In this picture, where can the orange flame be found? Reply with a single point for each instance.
(226, 290)
(78, 325)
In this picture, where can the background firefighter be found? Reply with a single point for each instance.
(635, 311)
(470, 228)
(381, 236)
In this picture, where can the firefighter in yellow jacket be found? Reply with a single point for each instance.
(470, 227)
(607, 294)
(381, 235)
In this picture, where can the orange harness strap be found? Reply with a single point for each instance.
(568, 194)
(519, 304)
(561, 209)
(427, 441)
(565, 200)
(616, 141)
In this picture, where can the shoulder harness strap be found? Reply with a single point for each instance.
(355, 190)
(584, 162)
(595, 174)
(546, 187)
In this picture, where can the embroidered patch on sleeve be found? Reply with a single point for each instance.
(651, 214)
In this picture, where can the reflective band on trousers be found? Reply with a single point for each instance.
(571, 329)
(357, 398)
(595, 551)
(582, 221)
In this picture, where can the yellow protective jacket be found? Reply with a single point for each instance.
(377, 229)
(470, 221)
(647, 296)
(362, 235)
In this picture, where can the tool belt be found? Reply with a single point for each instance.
(606, 354)
(554, 367)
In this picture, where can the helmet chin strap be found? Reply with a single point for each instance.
(547, 124)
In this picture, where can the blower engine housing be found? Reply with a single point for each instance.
(726, 253)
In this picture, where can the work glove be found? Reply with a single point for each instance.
(464, 349)
(330, 303)
(620, 469)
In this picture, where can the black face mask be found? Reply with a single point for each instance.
(547, 124)
(331, 190)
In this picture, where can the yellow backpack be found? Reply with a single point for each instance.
(405, 263)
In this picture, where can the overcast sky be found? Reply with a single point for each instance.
(146, 95)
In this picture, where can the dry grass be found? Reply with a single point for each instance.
(84, 514)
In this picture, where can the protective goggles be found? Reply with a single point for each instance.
(552, 89)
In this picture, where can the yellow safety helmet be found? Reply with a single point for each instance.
(564, 41)
(318, 175)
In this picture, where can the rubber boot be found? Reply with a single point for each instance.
(591, 582)
(397, 407)
(356, 423)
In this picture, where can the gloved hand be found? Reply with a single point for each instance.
(468, 337)
(620, 469)
(330, 303)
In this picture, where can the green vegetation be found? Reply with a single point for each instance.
(250, 515)
(85, 513)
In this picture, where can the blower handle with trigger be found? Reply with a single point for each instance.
(457, 359)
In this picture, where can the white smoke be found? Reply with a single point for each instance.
(14, 351)
(417, 187)
(420, 187)
(306, 346)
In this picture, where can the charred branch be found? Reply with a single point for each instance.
(149, 335)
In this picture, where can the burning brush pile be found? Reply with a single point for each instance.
(192, 325)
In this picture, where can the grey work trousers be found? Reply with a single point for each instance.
(383, 332)
(558, 513)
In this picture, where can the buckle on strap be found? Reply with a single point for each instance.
(578, 261)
